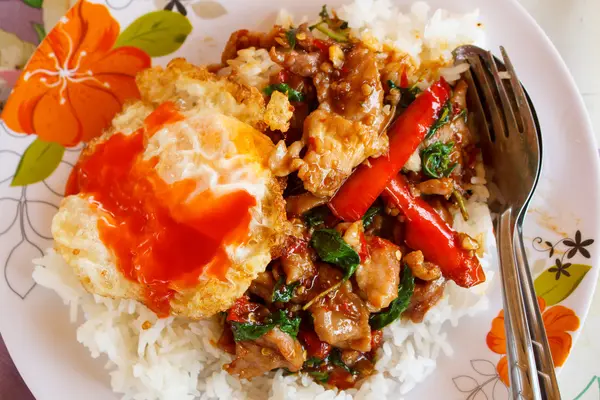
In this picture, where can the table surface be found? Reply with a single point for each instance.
(574, 27)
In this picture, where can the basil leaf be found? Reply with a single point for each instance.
(320, 376)
(316, 216)
(324, 14)
(436, 160)
(332, 249)
(287, 324)
(442, 120)
(334, 28)
(312, 362)
(249, 330)
(397, 307)
(282, 292)
(407, 95)
(369, 215)
(252, 330)
(292, 94)
(291, 37)
(323, 27)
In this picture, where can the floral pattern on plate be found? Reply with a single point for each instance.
(84, 61)
(552, 286)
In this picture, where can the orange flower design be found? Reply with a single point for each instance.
(558, 321)
(75, 81)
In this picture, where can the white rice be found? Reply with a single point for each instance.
(176, 358)
(423, 36)
(251, 67)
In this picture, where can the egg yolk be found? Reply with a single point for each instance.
(163, 236)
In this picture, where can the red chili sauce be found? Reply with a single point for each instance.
(161, 235)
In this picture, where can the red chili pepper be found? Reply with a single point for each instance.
(364, 249)
(240, 309)
(428, 232)
(404, 79)
(282, 77)
(321, 45)
(368, 181)
(313, 345)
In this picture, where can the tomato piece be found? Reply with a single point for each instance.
(313, 345)
(240, 309)
(341, 379)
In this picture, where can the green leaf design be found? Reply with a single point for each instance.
(39, 30)
(38, 162)
(553, 290)
(157, 33)
(34, 3)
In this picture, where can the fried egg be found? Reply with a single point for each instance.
(175, 204)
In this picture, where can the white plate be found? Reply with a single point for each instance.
(35, 324)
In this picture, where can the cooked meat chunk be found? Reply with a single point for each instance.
(353, 234)
(285, 160)
(358, 95)
(379, 275)
(335, 146)
(425, 296)
(350, 357)
(456, 131)
(345, 130)
(440, 207)
(459, 95)
(299, 62)
(342, 319)
(299, 204)
(275, 349)
(299, 262)
(441, 187)
(263, 286)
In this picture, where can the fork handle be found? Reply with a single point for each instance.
(522, 369)
(545, 367)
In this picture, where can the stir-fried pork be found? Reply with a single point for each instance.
(335, 146)
(263, 286)
(299, 263)
(379, 275)
(425, 296)
(274, 349)
(342, 319)
(345, 130)
(299, 204)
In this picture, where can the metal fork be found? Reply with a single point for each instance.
(511, 145)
